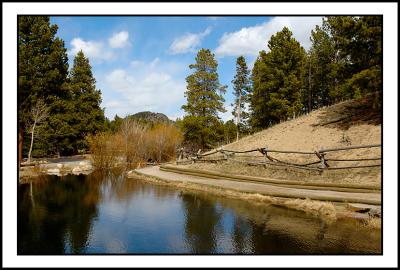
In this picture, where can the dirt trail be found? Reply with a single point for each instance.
(265, 189)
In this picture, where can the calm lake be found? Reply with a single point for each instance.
(110, 214)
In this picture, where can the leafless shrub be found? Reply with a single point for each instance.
(104, 149)
(134, 144)
(133, 135)
(162, 142)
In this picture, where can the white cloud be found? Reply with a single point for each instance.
(98, 50)
(136, 63)
(95, 50)
(145, 86)
(251, 40)
(119, 40)
(188, 42)
(120, 80)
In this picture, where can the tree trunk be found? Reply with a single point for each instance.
(30, 148)
(20, 144)
(309, 89)
(238, 117)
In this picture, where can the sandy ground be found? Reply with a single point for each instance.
(336, 126)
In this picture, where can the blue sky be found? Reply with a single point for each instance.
(140, 62)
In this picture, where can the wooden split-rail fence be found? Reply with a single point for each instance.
(323, 162)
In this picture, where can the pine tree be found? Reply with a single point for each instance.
(42, 71)
(322, 77)
(278, 83)
(204, 101)
(241, 89)
(88, 117)
(358, 40)
(259, 113)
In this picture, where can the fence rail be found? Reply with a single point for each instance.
(321, 162)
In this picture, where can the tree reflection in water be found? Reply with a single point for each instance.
(90, 214)
(201, 219)
(45, 209)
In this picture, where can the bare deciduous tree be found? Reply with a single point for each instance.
(38, 115)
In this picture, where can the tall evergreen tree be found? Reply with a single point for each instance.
(358, 40)
(260, 115)
(88, 117)
(42, 71)
(204, 101)
(278, 81)
(322, 77)
(241, 89)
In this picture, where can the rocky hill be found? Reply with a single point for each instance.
(152, 117)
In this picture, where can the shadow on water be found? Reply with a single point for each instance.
(105, 213)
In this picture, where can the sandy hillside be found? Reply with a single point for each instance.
(318, 129)
(350, 123)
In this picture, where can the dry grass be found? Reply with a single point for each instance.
(309, 132)
(325, 210)
(134, 145)
(319, 129)
(374, 223)
(366, 176)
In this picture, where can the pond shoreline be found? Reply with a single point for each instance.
(327, 211)
(80, 164)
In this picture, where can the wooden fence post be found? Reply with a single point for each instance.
(265, 152)
(224, 153)
(180, 153)
(322, 158)
(321, 155)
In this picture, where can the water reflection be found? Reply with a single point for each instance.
(202, 220)
(53, 211)
(106, 213)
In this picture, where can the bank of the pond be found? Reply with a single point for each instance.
(326, 210)
(76, 165)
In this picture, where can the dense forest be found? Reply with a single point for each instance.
(59, 110)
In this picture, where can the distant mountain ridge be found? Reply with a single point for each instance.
(152, 117)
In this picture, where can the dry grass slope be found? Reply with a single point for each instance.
(348, 123)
